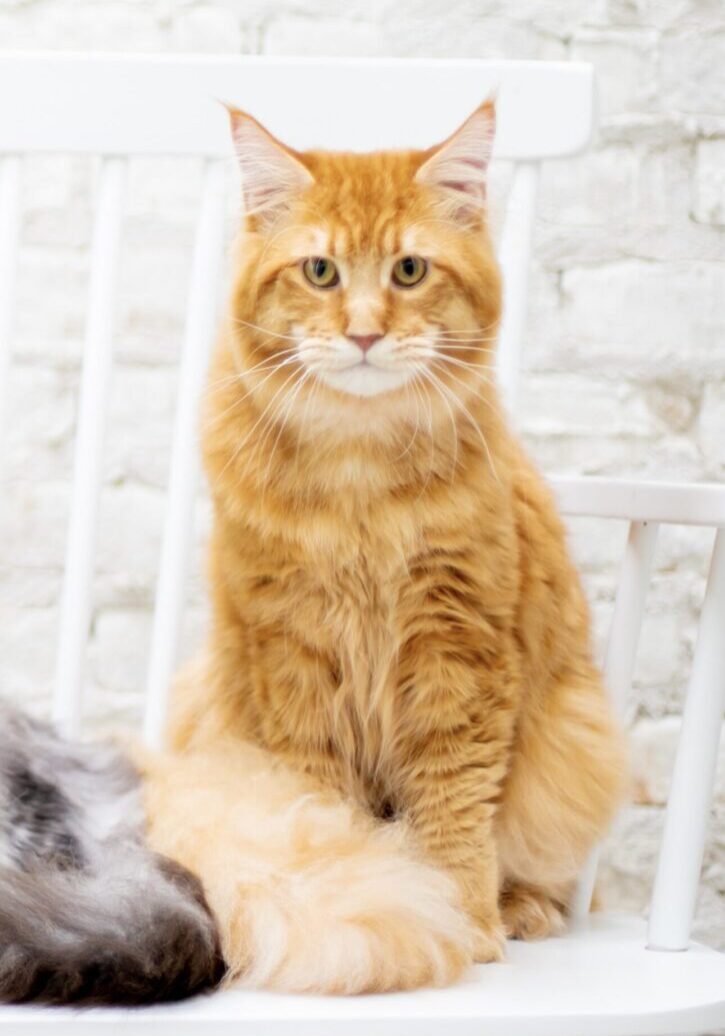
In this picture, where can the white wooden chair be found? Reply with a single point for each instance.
(610, 975)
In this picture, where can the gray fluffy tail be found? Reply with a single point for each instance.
(140, 934)
(88, 913)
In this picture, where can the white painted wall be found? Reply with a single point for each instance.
(625, 361)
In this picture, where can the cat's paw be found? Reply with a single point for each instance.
(490, 943)
(348, 932)
(341, 911)
(529, 913)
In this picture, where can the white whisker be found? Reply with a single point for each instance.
(283, 420)
(263, 330)
(256, 424)
(268, 372)
(408, 448)
(426, 399)
(428, 373)
(310, 396)
(479, 377)
(476, 368)
(459, 403)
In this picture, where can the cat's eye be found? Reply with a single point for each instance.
(321, 272)
(409, 271)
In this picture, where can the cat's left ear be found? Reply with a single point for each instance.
(272, 174)
(459, 166)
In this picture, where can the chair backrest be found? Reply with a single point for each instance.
(116, 107)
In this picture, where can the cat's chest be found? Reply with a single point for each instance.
(353, 615)
(364, 630)
(356, 606)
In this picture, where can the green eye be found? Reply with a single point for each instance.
(409, 271)
(321, 272)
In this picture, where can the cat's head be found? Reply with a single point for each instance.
(366, 281)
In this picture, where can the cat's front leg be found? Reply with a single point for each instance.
(450, 806)
(453, 763)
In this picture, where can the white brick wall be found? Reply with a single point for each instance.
(625, 362)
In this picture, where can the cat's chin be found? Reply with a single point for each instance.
(364, 380)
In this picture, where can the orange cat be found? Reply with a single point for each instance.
(395, 612)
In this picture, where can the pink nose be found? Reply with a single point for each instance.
(365, 342)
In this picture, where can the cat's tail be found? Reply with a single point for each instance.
(137, 932)
(310, 894)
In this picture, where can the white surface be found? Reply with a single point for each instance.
(629, 608)
(688, 804)
(170, 105)
(206, 279)
(620, 655)
(515, 259)
(9, 229)
(681, 503)
(90, 436)
(598, 981)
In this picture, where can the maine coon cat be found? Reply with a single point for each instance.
(88, 914)
(397, 625)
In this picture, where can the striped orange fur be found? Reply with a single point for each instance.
(395, 614)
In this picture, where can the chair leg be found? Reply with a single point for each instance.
(688, 807)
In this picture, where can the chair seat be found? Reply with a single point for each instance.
(599, 979)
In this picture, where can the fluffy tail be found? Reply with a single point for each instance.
(310, 894)
(138, 933)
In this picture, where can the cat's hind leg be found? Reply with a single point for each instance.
(568, 775)
(532, 913)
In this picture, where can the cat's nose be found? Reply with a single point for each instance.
(365, 342)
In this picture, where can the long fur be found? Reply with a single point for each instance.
(394, 609)
(312, 894)
(88, 914)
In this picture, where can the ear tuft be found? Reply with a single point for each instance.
(459, 166)
(271, 172)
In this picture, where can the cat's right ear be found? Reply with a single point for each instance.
(271, 172)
